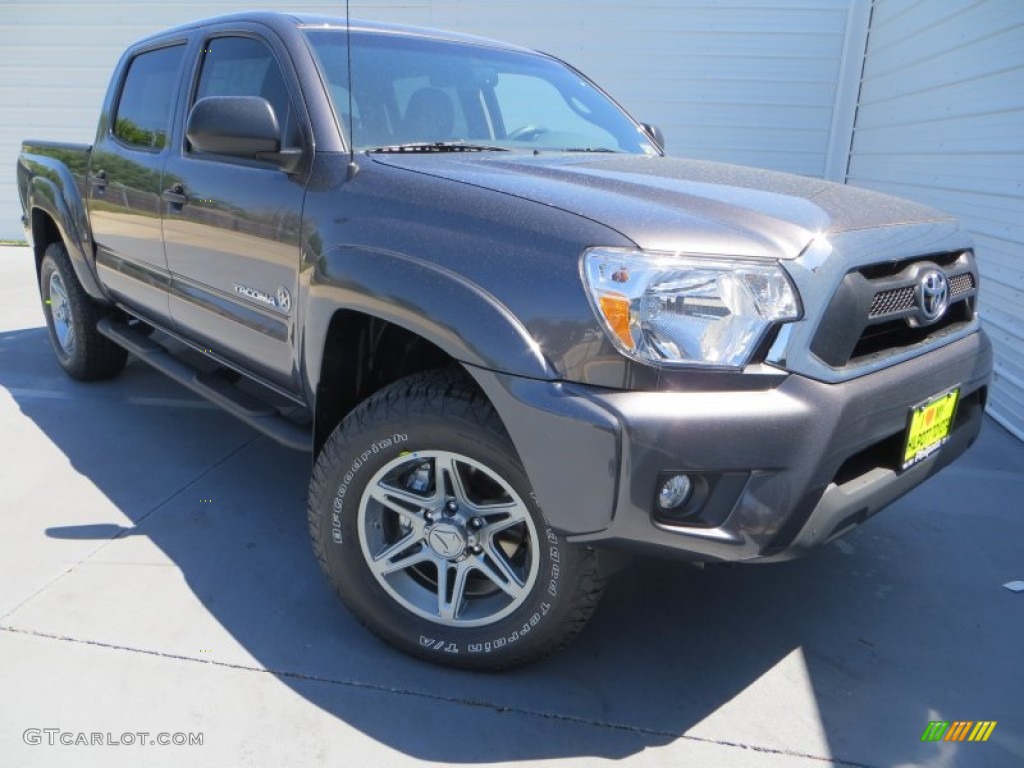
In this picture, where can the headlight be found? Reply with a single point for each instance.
(682, 309)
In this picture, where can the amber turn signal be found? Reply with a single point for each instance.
(615, 309)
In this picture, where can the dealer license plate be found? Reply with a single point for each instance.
(928, 428)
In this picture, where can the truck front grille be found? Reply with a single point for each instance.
(895, 300)
(880, 310)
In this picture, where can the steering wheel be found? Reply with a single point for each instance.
(527, 132)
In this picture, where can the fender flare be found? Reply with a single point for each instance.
(48, 194)
(463, 320)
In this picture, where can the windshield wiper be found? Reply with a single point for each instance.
(438, 146)
(589, 149)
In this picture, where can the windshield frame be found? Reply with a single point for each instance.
(645, 144)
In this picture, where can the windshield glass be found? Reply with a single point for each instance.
(409, 90)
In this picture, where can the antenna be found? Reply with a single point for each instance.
(353, 169)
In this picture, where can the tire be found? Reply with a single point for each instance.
(71, 317)
(420, 486)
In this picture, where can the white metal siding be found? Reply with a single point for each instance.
(940, 119)
(742, 81)
(55, 63)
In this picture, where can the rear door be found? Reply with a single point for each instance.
(232, 231)
(125, 179)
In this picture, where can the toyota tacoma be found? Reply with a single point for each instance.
(515, 336)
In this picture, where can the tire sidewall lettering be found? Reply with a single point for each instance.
(377, 448)
(539, 619)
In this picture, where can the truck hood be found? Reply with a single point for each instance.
(671, 204)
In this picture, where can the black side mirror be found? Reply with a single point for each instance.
(656, 135)
(240, 126)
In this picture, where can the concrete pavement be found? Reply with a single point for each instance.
(156, 577)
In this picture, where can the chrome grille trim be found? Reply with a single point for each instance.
(819, 271)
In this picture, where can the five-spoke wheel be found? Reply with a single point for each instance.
(424, 521)
(448, 538)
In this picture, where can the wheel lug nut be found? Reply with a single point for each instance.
(476, 522)
(451, 508)
(475, 549)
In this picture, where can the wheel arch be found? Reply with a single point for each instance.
(373, 317)
(362, 354)
(50, 222)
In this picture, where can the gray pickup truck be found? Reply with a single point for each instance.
(514, 335)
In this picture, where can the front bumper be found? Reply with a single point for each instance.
(782, 469)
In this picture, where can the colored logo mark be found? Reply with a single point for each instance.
(959, 730)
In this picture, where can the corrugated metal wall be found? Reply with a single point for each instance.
(55, 63)
(940, 119)
(743, 81)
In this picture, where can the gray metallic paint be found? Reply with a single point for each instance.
(793, 440)
(671, 204)
(51, 177)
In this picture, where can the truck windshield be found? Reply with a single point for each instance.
(418, 94)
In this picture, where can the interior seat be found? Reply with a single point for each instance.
(429, 116)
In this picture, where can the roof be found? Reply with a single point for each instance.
(277, 21)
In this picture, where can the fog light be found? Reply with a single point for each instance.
(674, 492)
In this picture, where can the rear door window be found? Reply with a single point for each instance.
(143, 114)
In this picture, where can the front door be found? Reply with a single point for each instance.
(232, 233)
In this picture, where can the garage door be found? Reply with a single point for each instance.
(940, 119)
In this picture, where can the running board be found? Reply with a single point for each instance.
(258, 414)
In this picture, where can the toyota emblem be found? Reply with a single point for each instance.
(933, 294)
(284, 299)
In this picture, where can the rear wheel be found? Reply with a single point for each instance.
(424, 521)
(71, 317)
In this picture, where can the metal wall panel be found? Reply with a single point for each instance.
(742, 81)
(940, 119)
(55, 63)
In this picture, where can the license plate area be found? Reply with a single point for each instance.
(928, 427)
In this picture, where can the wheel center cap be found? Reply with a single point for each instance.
(447, 540)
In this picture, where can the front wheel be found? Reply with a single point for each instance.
(424, 521)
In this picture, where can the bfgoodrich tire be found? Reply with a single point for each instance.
(71, 317)
(423, 519)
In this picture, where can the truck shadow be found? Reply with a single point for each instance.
(842, 658)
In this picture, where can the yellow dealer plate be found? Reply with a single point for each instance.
(929, 427)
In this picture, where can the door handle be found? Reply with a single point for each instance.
(175, 195)
(99, 181)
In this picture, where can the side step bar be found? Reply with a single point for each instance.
(259, 415)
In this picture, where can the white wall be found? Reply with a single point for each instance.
(940, 119)
(743, 81)
(55, 63)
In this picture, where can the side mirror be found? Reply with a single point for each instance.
(240, 126)
(656, 135)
